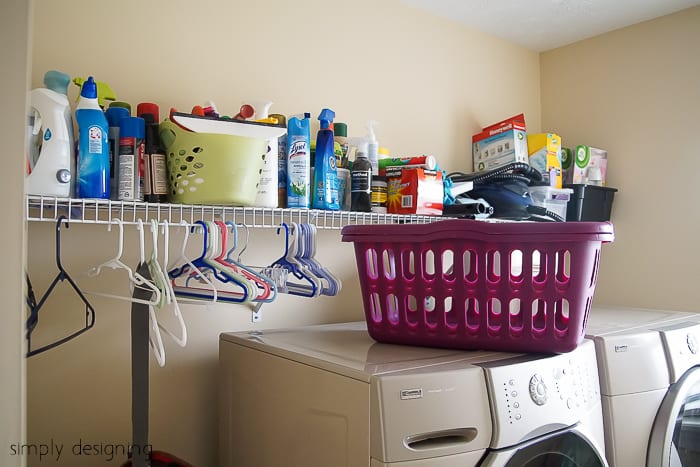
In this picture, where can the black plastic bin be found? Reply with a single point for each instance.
(590, 203)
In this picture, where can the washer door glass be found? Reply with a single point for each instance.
(675, 438)
(567, 449)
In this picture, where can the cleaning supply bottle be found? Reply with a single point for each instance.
(325, 175)
(340, 135)
(267, 195)
(298, 162)
(372, 147)
(114, 116)
(281, 162)
(131, 178)
(93, 146)
(50, 162)
(360, 177)
(155, 164)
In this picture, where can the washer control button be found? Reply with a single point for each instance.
(538, 390)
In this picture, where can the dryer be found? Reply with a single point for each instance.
(649, 368)
(329, 395)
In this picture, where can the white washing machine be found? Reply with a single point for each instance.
(650, 385)
(330, 396)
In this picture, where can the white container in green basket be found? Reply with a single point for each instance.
(215, 167)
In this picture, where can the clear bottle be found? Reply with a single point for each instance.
(93, 145)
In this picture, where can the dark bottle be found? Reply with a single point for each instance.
(154, 164)
(361, 182)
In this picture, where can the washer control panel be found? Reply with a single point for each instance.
(534, 394)
(682, 345)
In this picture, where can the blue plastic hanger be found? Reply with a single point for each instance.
(208, 267)
(309, 286)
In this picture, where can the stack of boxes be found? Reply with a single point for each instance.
(565, 172)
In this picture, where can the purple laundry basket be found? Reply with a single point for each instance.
(465, 284)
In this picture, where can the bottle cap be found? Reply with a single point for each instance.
(57, 81)
(383, 152)
(132, 127)
(340, 129)
(148, 108)
(89, 89)
(115, 115)
(125, 105)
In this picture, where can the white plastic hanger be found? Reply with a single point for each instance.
(180, 340)
(135, 279)
(154, 338)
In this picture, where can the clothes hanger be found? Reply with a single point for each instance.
(35, 307)
(306, 255)
(186, 265)
(265, 288)
(180, 339)
(189, 288)
(309, 286)
(135, 278)
(275, 277)
(154, 337)
(218, 235)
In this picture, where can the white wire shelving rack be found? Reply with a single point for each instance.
(104, 211)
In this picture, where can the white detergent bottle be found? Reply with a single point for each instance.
(50, 163)
(267, 195)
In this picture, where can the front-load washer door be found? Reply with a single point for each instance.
(675, 436)
(569, 448)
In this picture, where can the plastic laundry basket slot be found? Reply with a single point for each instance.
(473, 285)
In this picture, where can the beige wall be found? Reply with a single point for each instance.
(14, 76)
(430, 84)
(635, 92)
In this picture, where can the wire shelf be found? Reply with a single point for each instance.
(104, 211)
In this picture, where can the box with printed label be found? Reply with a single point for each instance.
(590, 165)
(500, 144)
(544, 150)
(414, 191)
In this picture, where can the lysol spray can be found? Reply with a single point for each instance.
(132, 131)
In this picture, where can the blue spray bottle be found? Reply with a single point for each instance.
(325, 174)
(298, 162)
(93, 145)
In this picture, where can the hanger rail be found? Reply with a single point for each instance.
(103, 211)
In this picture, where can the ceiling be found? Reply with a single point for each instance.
(542, 25)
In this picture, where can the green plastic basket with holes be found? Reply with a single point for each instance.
(208, 168)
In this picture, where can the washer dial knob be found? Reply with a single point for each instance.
(538, 390)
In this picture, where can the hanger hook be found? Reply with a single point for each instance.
(139, 227)
(58, 240)
(245, 245)
(286, 238)
(121, 235)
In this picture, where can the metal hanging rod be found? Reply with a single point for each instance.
(104, 211)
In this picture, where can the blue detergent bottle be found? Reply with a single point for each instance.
(325, 173)
(93, 145)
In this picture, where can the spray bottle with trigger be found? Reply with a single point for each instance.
(325, 170)
(50, 162)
